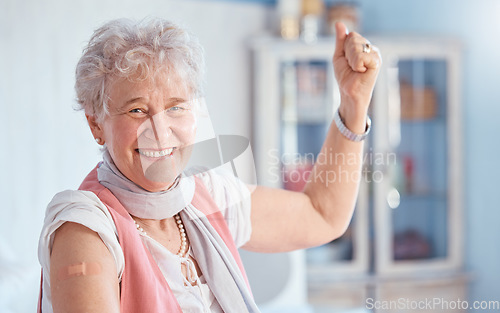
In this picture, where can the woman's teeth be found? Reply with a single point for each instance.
(156, 154)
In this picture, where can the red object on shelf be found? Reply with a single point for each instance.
(409, 169)
(411, 245)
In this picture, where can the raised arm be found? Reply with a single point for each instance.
(285, 220)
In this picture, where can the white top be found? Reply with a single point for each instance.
(85, 208)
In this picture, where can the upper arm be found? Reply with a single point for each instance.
(285, 220)
(83, 274)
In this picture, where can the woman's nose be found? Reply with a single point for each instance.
(161, 127)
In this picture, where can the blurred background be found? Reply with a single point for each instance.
(426, 224)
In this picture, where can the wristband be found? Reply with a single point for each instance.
(347, 132)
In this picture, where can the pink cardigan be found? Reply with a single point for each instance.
(143, 287)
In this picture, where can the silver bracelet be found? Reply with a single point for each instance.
(347, 132)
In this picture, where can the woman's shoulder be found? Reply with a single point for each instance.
(76, 202)
(69, 196)
(78, 206)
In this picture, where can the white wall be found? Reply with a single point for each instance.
(46, 145)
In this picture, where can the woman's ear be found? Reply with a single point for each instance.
(96, 129)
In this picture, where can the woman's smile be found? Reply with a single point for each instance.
(156, 154)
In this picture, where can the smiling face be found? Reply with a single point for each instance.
(149, 130)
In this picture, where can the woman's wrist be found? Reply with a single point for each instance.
(354, 117)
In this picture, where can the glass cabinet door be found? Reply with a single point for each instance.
(419, 217)
(414, 208)
(305, 112)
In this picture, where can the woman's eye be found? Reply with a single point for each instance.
(175, 108)
(136, 111)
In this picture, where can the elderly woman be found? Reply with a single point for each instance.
(140, 235)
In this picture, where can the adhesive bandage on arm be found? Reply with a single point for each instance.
(79, 269)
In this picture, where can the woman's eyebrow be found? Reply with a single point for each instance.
(129, 102)
(176, 100)
(169, 102)
(133, 100)
(125, 105)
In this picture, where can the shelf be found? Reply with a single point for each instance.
(373, 279)
(423, 122)
(305, 122)
(424, 196)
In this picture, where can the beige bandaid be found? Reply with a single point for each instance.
(79, 269)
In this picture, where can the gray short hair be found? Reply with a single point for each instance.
(124, 48)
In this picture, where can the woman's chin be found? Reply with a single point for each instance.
(161, 175)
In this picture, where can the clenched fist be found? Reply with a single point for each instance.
(356, 63)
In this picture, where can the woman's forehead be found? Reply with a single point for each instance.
(168, 83)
